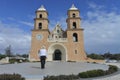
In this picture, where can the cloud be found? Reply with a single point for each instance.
(93, 5)
(12, 35)
(27, 23)
(31, 17)
(30, 24)
(102, 30)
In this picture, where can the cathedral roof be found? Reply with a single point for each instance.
(73, 7)
(57, 27)
(42, 8)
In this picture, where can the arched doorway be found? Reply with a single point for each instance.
(57, 51)
(57, 55)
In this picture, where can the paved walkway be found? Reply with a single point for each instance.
(32, 71)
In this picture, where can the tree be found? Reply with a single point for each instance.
(95, 56)
(8, 51)
(25, 55)
(2, 56)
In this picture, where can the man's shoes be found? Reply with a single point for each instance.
(42, 68)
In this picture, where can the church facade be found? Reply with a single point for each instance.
(62, 45)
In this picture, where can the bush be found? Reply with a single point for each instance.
(95, 56)
(83, 75)
(99, 72)
(11, 77)
(87, 74)
(91, 73)
(14, 60)
(18, 60)
(112, 69)
(71, 61)
(2, 56)
(62, 77)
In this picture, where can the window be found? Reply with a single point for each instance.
(73, 15)
(75, 51)
(74, 25)
(40, 16)
(58, 31)
(40, 25)
(75, 37)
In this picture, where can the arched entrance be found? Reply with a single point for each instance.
(57, 51)
(57, 55)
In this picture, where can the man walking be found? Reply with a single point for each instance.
(43, 56)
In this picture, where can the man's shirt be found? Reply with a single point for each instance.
(43, 52)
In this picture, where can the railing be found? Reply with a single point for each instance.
(57, 39)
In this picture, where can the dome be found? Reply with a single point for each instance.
(41, 8)
(73, 7)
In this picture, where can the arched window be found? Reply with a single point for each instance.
(74, 25)
(75, 37)
(40, 16)
(73, 15)
(75, 51)
(40, 25)
(58, 31)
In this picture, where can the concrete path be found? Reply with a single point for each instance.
(32, 71)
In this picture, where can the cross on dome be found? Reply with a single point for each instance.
(73, 7)
(42, 8)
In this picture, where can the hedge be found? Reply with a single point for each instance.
(17, 60)
(62, 77)
(99, 72)
(11, 77)
(87, 74)
(92, 73)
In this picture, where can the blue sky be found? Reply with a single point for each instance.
(100, 19)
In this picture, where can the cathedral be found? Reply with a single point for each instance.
(61, 45)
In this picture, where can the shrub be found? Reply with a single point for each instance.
(91, 73)
(99, 72)
(18, 60)
(14, 60)
(94, 63)
(25, 60)
(83, 75)
(71, 61)
(87, 74)
(11, 77)
(88, 62)
(112, 69)
(72, 77)
(2, 56)
(62, 77)
(95, 56)
(50, 78)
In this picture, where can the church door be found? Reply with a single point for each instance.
(57, 55)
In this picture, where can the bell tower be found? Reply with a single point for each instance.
(75, 35)
(39, 33)
(73, 20)
(41, 20)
